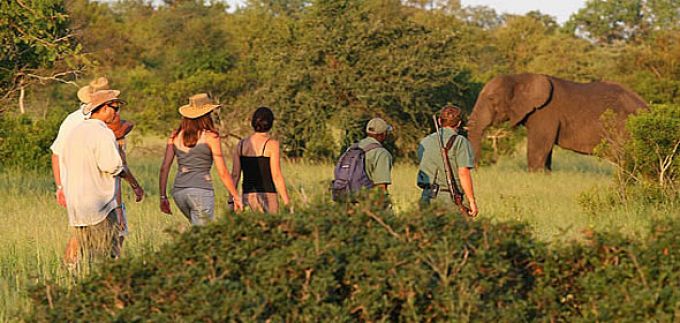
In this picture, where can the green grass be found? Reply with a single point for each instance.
(33, 228)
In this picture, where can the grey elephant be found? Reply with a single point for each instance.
(554, 112)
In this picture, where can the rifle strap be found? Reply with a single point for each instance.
(449, 144)
(447, 148)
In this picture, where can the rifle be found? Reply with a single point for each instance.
(456, 195)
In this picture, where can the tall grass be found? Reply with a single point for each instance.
(33, 228)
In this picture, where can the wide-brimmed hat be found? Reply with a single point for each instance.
(100, 98)
(120, 128)
(377, 126)
(98, 84)
(199, 105)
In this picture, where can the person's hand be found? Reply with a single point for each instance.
(238, 204)
(473, 209)
(61, 197)
(291, 208)
(139, 193)
(165, 205)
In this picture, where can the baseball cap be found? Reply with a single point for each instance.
(377, 126)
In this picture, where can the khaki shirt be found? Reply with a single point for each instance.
(91, 161)
(378, 162)
(431, 162)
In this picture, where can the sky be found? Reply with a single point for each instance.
(561, 9)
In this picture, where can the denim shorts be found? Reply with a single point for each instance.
(197, 204)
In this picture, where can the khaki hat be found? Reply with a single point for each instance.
(98, 84)
(377, 126)
(199, 105)
(100, 98)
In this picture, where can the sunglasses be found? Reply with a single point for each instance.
(114, 105)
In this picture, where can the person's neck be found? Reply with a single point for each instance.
(377, 138)
(261, 134)
(98, 117)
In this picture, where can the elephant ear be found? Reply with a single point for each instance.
(530, 92)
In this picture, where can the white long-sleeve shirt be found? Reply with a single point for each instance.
(91, 161)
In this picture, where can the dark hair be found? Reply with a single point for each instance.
(263, 119)
(193, 127)
(450, 116)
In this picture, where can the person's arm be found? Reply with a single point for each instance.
(382, 171)
(236, 164)
(163, 176)
(127, 174)
(277, 175)
(213, 141)
(61, 197)
(56, 148)
(107, 155)
(466, 184)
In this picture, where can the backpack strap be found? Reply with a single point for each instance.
(371, 146)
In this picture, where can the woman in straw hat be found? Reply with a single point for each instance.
(258, 156)
(196, 143)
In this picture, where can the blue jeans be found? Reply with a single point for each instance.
(197, 204)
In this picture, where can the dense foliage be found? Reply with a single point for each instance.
(25, 142)
(35, 44)
(647, 153)
(326, 66)
(334, 264)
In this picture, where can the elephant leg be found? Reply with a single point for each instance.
(540, 141)
(548, 161)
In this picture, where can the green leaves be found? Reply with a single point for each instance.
(332, 263)
(34, 36)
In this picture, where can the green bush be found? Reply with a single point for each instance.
(328, 263)
(25, 142)
(646, 153)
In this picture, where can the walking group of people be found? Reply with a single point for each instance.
(89, 164)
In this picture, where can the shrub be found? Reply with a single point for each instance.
(329, 263)
(646, 154)
(25, 142)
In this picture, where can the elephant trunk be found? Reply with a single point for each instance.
(478, 122)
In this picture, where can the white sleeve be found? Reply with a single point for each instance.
(58, 144)
(108, 157)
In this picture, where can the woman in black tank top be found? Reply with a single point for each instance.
(258, 158)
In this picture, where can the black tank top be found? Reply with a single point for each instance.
(257, 173)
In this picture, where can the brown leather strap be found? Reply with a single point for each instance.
(449, 144)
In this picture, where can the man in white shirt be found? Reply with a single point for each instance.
(91, 161)
(71, 121)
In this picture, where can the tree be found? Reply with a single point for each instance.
(609, 21)
(343, 62)
(37, 46)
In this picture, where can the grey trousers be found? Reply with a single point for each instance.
(197, 204)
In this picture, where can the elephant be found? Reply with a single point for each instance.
(554, 111)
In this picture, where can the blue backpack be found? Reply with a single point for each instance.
(350, 173)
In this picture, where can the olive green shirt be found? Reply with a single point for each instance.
(378, 162)
(431, 162)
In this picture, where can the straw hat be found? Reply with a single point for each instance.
(85, 92)
(199, 105)
(100, 98)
